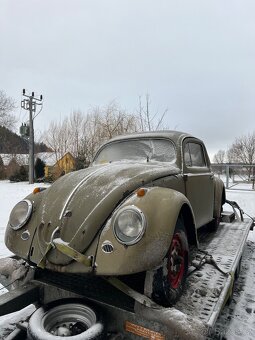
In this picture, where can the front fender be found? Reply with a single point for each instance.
(14, 241)
(161, 207)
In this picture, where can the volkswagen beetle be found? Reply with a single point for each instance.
(136, 209)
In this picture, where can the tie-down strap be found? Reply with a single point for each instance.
(64, 248)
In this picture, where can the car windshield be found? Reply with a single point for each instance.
(146, 150)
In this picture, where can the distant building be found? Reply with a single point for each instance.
(13, 162)
(20, 158)
(57, 165)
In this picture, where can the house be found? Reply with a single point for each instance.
(12, 163)
(57, 165)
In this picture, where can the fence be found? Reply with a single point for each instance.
(236, 176)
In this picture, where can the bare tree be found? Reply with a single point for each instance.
(7, 105)
(76, 124)
(243, 151)
(219, 157)
(82, 134)
(104, 123)
(149, 121)
(116, 121)
(57, 138)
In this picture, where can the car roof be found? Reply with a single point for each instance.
(175, 136)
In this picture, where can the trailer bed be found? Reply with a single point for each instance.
(193, 317)
(205, 294)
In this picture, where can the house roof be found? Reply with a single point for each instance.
(49, 158)
(21, 158)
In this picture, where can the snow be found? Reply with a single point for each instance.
(246, 201)
(12, 193)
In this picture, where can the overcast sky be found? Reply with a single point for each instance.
(194, 57)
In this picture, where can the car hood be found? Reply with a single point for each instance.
(78, 204)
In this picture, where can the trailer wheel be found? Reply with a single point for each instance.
(169, 279)
(69, 319)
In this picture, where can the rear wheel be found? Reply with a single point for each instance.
(169, 279)
(214, 224)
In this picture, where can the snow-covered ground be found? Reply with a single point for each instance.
(11, 193)
(246, 201)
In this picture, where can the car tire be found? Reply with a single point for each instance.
(169, 279)
(69, 319)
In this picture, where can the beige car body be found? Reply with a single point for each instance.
(71, 225)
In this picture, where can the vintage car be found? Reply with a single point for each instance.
(136, 209)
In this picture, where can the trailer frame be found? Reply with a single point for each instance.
(209, 286)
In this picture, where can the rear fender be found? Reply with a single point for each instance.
(219, 196)
(161, 208)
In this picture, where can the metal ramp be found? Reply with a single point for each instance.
(236, 320)
(208, 288)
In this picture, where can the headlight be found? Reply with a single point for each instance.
(20, 214)
(129, 225)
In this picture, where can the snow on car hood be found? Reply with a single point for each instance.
(80, 202)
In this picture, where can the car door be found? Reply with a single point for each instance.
(198, 177)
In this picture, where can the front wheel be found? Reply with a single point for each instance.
(70, 319)
(169, 279)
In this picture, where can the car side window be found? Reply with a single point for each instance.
(194, 155)
(187, 155)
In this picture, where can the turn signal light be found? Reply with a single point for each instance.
(141, 192)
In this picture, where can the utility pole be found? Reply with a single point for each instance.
(30, 104)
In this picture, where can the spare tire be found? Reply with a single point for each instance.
(71, 319)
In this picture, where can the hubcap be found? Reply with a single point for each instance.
(68, 319)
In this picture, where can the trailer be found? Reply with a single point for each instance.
(124, 311)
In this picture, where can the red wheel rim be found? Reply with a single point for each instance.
(176, 261)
